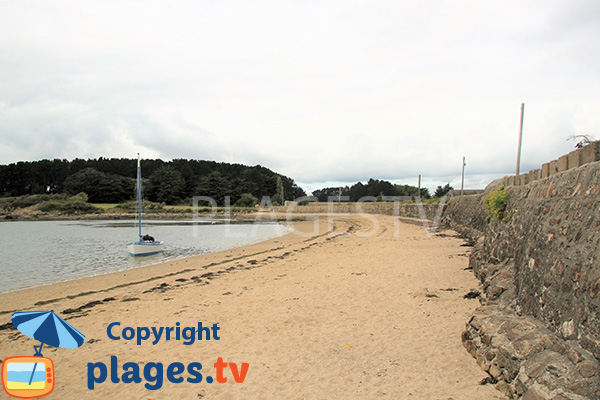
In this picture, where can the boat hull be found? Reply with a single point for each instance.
(145, 248)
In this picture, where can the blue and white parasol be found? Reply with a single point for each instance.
(48, 328)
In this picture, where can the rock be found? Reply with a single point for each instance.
(536, 369)
(522, 382)
(587, 369)
(505, 388)
(524, 347)
(495, 371)
(568, 330)
(483, 362)
(475, 322)
(561, 397)
(497, 341)
(522, 354)
(574, 355)
(536, 393)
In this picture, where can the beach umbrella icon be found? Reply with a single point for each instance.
(48, 328)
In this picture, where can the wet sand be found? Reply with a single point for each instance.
(358, 308)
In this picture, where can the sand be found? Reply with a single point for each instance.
(342, 312)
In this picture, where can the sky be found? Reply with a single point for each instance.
(326, 92)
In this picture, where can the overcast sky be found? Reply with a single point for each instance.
(325, 92)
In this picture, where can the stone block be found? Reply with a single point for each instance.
(535, 174)
(510, 181)
(587, 369)
(569, 329)
(495, 372)
(563, 163)
(545, 170)
(506, 389)
(575, 159)
(523, 179)
(560, 397)
(574, 355)
(534, 395)
(590, 153)
(552, 167)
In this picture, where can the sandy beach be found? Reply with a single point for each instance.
(343, 311)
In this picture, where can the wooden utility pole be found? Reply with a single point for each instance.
(419, 190)
(462, 182)
(520, 139)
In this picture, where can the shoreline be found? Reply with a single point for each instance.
(125, 266)
(345, 311)
(137, 275)
(121, 216)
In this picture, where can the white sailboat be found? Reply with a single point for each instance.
(145, 245)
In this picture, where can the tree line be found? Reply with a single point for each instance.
(377, 189)
(113, 180)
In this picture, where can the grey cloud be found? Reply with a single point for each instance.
(322, 92)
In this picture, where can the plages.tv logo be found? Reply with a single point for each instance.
(33, 377)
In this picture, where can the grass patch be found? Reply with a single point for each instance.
(105, 206)
(51, 203)
(71, 205)
(12, 203)
(132, 206)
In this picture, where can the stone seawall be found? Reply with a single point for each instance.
(466, 215)
(538, 330)
(428, 211)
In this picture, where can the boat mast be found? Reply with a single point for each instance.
(139, 190)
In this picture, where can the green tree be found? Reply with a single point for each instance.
(357, 191)
(246, 200)
(425, 193)
(190, 181)
(279, 197)
(442, 191)
(215, 186)
(324, 194)
(378, 188)
(100, 187)
(165, 185)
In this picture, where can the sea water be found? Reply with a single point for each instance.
(35, 253)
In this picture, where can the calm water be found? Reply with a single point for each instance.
(34, 253)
